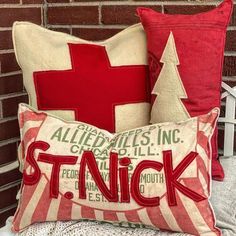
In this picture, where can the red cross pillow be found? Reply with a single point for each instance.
(185, 60)
(157, 176)
(103, 83)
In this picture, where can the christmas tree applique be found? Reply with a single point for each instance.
(169, 89)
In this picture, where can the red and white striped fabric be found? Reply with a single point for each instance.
(182, 183)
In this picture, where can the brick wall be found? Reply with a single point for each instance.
(91, 20)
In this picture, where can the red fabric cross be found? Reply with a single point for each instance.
(92, 88)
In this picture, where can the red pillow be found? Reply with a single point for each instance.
(185, 60)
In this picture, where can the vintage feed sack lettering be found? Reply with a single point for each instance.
(156, 175)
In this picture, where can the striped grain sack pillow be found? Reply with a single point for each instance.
(157, 175)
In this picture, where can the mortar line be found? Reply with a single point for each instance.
(6, 119)
(100, 14)
(230, 53)
(8, 208)
(12, 95)
(1, 112)
(89, 26)
(20, 6)
(132, 3)
(9, 141)
(5, 28)
(45, 10)
(6, 51)
(18, 72)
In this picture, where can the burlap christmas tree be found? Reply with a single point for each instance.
(169, 88)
